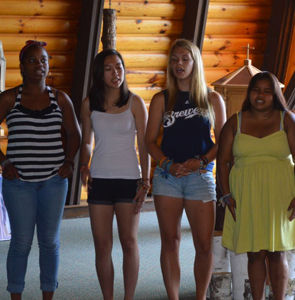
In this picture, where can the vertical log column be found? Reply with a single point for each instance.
(109, 29)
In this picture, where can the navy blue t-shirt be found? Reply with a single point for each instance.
(186, 132)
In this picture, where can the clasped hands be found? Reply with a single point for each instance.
(183, 169)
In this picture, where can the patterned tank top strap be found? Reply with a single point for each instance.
(282, 114)
(51, 95)
(18, 95)
(239, 121)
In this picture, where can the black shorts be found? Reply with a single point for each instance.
(111, 191)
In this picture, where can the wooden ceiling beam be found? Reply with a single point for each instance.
(87, 47)
(194, 21)
(279, 39)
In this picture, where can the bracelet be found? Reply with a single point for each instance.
(160, 162)
(5, 163)
(70, 161)
(166, 164)
(205, 160)
(202, 165)
(83, 166)
(169, 165)
(225, 199)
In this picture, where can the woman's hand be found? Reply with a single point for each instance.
(192, 164)
(10, 172)
(66, 170)
(139, 198)
(86, 178)
(179, 170)
(292, 207)
(231, 205)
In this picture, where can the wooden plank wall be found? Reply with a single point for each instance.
(231, 25)
(146, 29)
(55, 22)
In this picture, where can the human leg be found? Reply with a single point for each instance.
(257, 271)
(169, 212)
(127, 222)
(278, 273)
(201, 217)
(101, 218)
(21, 202)
(51, 201)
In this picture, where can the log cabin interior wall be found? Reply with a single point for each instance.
(146, 29)
(55, 22)
(231, 25)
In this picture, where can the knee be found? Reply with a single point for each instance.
(103, 248)
(254, 257)
(48, 243)
(129, 245)
(204, 249)
(277, 257)
(171, 244)
(20, 246)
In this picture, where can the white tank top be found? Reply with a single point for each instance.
(114, 155)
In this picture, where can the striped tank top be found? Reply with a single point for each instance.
(34, 140)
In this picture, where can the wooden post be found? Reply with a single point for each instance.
(109, 29)
(2, 69)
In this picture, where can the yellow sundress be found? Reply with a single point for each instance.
(262, 183)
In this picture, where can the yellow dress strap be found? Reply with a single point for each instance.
(239, 121)
(282, 113)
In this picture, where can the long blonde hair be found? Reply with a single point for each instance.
(198, 86)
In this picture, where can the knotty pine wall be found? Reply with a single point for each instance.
(55, 22)
(146, 29)
(231, 25)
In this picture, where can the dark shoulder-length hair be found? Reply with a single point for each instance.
(278, 97)
(96, 94)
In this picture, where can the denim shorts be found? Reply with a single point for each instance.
(196, 186)
(112, 191)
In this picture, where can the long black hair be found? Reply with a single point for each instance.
(96, 94)
(278, 97)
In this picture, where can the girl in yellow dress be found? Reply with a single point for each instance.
(259, 189)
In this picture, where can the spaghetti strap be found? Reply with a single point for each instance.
(239, 121)
(131, 99)
(282, 114)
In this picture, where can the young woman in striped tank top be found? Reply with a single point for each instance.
(36, 167)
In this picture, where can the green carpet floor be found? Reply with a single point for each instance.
(77, 276)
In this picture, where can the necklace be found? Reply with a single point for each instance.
(111, 106)
(265, 117)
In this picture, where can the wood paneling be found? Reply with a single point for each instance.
(40, 8)
(145, 31)
(231, 25)
(55, 22)
(149, 9)
(38, 25)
